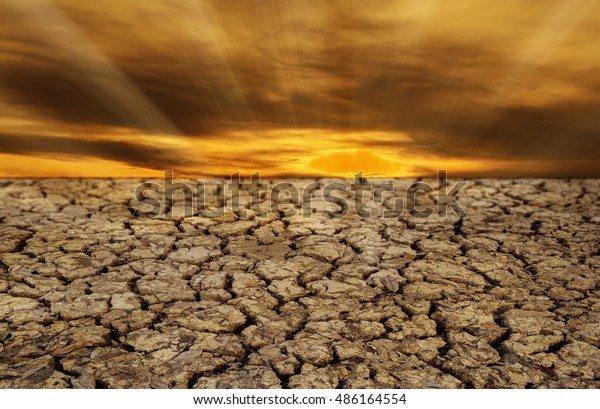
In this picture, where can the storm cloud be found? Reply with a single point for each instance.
(513, 82)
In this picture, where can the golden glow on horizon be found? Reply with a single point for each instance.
(314, 154)
(70, 167)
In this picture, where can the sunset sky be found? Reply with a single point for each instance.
(287, 87)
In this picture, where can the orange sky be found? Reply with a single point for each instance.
(387, 87)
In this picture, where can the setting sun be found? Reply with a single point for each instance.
(390, 88)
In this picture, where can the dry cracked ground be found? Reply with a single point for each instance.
(508, 297)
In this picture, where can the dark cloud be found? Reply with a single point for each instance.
(51, 93)
(53, 147)
(277, 69)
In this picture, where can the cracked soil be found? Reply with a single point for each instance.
(508, 297)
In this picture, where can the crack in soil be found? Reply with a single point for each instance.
(91, 296)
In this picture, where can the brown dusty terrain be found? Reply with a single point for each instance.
(506, 297)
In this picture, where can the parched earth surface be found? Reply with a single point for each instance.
(507, 296)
